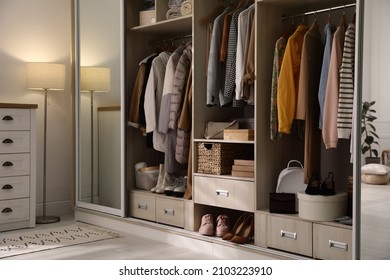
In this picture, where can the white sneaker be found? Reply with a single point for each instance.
(167, 181)
(160, 178)
(171, 187)
(181, 188)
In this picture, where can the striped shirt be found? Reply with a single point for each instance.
(346, 89)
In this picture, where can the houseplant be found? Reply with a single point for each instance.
(369, 135)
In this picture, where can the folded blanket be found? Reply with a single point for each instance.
(173, 13)
(186, 8)
(174, 3)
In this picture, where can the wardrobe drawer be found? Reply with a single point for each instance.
(290, 235)
(143, 206)
(332, 243)
(14, 210)
(14, 164)
(14, 187)
(170, 211)
(14, 142)
(14, 119)
(226, 193)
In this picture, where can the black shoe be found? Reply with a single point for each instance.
(313, 187)
(328, 186)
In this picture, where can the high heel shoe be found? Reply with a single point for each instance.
(313, 187)
(246, 232)
(328, 186)
(236, 228)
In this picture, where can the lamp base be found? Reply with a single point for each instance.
(47, 220)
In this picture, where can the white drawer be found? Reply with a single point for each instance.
(170, 211)
(14, 142)
(226, 193)
(14, 210)
(14, 187)
(14, 119)
(290, 235)
(14, 164)
(332, 243)
(143, 206)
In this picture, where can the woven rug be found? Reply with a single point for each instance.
(25, 242)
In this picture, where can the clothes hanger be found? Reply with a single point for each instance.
(329, 17)
(216, 12)
(343, 21)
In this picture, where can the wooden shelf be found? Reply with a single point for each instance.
(173, 26)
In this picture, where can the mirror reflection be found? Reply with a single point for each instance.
(99, 28)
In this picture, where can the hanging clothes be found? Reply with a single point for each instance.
(136, 116)
(280, 47)
(328, 33)
(289, 80)
(346, 91)
(249, 76)
(329, 128)
(307, 104)
(153, 96)
(215, 69)
(245, 21)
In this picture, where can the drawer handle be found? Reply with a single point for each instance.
(6, 210)
(168, 211)
(8, 163)
(288, 234)
(338, 245)
(7, 141)
(142, 206)
(8, 118)
(222, 193)
(7, 187)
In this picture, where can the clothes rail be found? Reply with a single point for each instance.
(319, 11)
(164, 41)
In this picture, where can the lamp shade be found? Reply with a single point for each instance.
(96, 79)
(42, 75)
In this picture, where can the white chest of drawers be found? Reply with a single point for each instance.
(17, 166)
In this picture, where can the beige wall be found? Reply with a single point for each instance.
(41, 31)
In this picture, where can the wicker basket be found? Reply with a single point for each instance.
(218, 158)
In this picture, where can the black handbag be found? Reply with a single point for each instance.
(283, 203)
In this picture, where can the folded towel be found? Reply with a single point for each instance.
(186, 8)
(174, 3)
(173, 13)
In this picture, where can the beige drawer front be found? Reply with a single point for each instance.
(170, 211)
(14, 119)
(14, 187)
(143, 206)
(14, 164)
(14, 210)
(332, 243)
(290, 235)
(226, 193)
(14, 142)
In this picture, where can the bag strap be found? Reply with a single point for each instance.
(292, 161)
(220, 130)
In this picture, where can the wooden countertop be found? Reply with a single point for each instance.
(18, 106)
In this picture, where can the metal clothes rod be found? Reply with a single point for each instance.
(170, 40)
(319, 11)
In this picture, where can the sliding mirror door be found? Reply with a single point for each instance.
(100, 94)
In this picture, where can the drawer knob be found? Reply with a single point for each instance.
(288, 234)
(222, 193)
(338, 245)
(8, 163)
(7, 141)
(7, 187)
(142, 206)
(169, 212)
(6, 210)
(8, 118)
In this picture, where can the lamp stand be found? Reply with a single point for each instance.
(92, 149)
(45, 219)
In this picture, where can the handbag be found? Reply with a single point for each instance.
(214, 130)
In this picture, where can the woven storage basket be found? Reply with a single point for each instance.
(218, 158)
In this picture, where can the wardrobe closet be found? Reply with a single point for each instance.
(225, 194)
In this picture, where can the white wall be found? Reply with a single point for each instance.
(41, 31)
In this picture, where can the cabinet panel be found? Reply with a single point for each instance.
(14, 119)
(143, 206)
(332, 242)
(290, 235)
(227, 193)
(14, 187)
(170, 211)
(14, 164)
(14, 142)
(14, 210)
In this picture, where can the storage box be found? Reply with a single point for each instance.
(246, 174)
(147, 17)
(322, 208)
(282, 203)
(238, 134)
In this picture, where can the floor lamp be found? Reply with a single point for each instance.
(45, 76)
(94, 79)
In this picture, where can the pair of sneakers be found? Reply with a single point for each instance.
(170, 185)
(207, 225)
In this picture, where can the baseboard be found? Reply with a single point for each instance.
(193, 241)
(58, 208)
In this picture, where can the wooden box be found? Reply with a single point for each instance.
(147, 17)
(238, 134)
